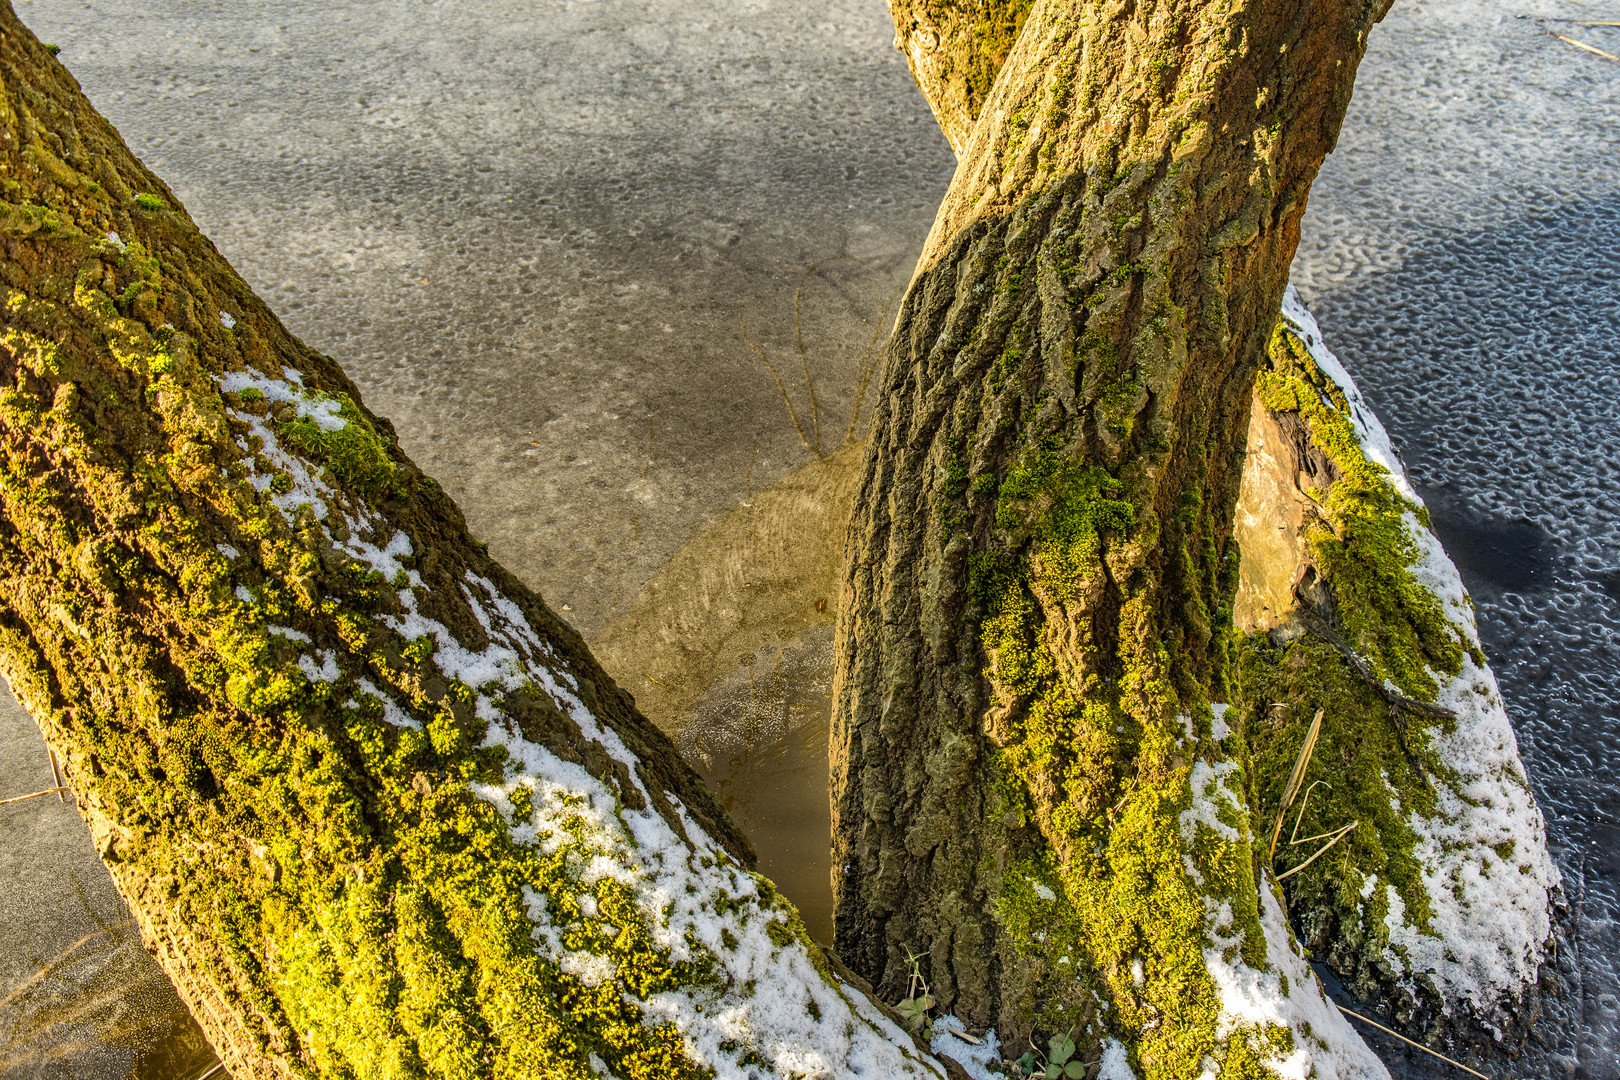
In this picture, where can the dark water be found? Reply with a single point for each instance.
(759, 738)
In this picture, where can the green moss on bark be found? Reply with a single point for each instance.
(1361, 544)
(293, 796)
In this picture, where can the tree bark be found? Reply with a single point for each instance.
(954, 49)
(1030, 784)
(1333, 609)
(376, 808)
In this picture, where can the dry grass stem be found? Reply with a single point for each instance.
(32, 795)
(1337, 836)
(1409, 1042)
(1294, 780)
(1583, 45)
(793, 414)
(61, 958)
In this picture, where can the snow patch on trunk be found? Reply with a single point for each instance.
(1288, 994)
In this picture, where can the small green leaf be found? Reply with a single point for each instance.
(1062, 1049)
(1074, 1070)
(914, 1011)
(1053, 1070)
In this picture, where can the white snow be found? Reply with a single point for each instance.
(327, 671)
(392, 713)
(1287, 994)
(227, 320)
(1491, 914)
(112, 238)
(1209, 797)
(1116, 1062)
(317, 407)
(975, 1058)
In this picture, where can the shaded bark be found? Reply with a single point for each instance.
(376, 808)
(1040, 566)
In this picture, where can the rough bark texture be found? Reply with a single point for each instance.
(378, 811)
(1040, 569)
(1327, 608)
(954, 49)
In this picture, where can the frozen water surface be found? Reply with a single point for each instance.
(535, 233)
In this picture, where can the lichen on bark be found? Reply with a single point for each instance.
(1036, 621)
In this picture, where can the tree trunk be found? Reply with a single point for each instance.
(1033, 795)
(378, 811)
(954, 49)
(1342, 585)
(1437, 904)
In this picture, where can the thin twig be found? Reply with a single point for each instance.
(61, 957)
(1316, 625)
(56, 777)
(1584, 45)
(804, 353)
(1404, 1039)
(1293, 837)
(218, 1065)
(1128, 789)
(1294, 779)
(32, 795)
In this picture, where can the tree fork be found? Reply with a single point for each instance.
(1040, 567)
(376, 808)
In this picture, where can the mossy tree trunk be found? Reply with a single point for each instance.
(378, 811)
(955, 48)
(1333, 609)
(1030, 783)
